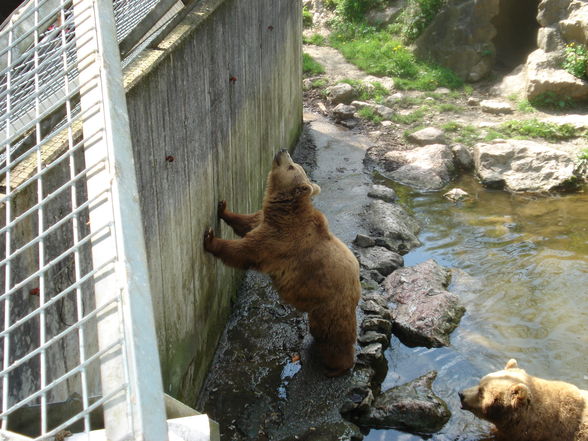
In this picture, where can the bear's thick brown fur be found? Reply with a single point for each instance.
(527, 408)
(310, 268)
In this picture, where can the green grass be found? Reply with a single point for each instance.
(370, 114)
(306, 17)
(316, 39)
(379, 53)
(526, 129)
(368, 91)
(552, 100)
(310, 66)
(533, 128)
(462, 134)
(410, 118)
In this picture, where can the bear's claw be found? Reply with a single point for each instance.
(208, 237)
(222, 206)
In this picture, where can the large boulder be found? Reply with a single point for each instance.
(520, 165)
(424, 313)
(411, 407)
(563, 22)
(425, 168)
(544, 75)
(460, 38)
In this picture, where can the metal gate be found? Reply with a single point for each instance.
(77, 340)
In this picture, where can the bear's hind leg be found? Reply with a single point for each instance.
(338, 358)
(335, 336)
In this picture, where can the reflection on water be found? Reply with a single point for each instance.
(525, 288)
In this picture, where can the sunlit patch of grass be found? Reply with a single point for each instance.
(310, 66)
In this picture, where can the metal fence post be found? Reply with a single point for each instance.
(103, 102)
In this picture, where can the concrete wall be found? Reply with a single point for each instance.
(206, 118)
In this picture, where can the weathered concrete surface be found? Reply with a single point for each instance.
(206, 119)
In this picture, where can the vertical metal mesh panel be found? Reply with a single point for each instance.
(60, 229)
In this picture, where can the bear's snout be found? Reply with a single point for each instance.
(281, 156)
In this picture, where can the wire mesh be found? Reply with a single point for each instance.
(52, 348)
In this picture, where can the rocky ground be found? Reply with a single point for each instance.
(265, 383)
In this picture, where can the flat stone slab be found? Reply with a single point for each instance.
(425, 313)
(496, 107)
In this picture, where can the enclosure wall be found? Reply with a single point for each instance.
(206, 119)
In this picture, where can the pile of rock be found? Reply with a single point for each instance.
(391, 296)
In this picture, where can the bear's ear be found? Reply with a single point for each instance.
(315, 189)
(302, 190)
(511, 364)
(520, 395)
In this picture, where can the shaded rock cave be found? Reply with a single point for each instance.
(516, 32)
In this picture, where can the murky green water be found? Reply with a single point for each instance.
(526, 293)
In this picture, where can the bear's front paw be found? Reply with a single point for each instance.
(222, 206)
(208, 238)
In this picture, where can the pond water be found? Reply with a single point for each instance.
(525, 290)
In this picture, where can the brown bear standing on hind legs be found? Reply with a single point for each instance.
(310, 268)
(527, 408)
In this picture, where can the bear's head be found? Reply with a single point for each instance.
(288, 180)
(500, 395)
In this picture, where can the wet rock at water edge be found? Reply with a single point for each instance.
(391, 226)
(521, 165)
(363, 241)
(425, 313)
(371, 308)
(463, 157)
(411, 407)
(456, 194)
(372, 356)
(370, 337)
(379, 259)
(383, 193)
(376, 324)
(425, 168)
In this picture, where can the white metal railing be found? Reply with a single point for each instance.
(77, 338)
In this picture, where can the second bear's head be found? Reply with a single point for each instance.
(288, 180)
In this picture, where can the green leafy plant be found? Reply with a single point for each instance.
(410, 118)
(533, 128)
(462, 134)
(415, 18)
(368, 91)
(306, 17)
(378, 53)
(316, 39)
(576, 60)
(552, 100)
(370, 114)
(310, 66)
(354, 10)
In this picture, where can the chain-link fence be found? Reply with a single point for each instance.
(77, 340)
